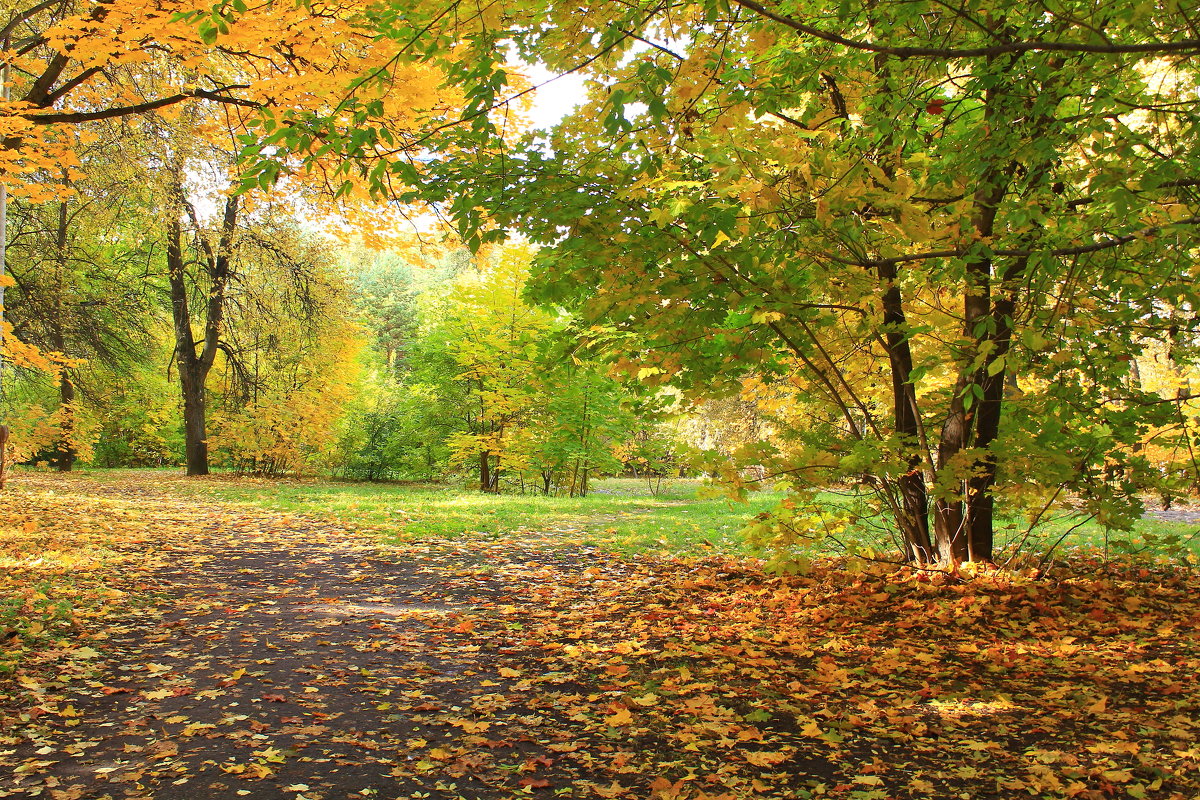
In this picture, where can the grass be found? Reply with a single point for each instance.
(619, 513)
(622, 514)
(1058, 533)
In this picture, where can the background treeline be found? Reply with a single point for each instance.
(335, 359)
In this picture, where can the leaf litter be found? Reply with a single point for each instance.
(163, 647)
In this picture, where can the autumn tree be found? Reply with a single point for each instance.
(952, 227)
(80, 269)
(581, 423)
(73, 64)
(289, 362)
(495, 341)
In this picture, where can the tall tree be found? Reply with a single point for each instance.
(924, 196)
(196, 352)
(495, 340)
(80, 270)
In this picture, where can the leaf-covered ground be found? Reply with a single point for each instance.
(161, 647)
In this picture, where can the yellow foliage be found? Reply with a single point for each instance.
(292, 425)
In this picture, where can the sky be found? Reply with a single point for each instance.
(555, 99)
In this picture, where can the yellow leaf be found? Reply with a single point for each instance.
(766, 759)
(765, 316)
(470, 726)
(622, 717)
(271, 754)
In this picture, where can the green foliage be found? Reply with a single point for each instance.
(584, 419)
(401, 435)
(140, 424)
(938, 238)
(489, 386)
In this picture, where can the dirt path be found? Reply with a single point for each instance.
(284, 657)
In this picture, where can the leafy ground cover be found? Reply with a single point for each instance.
(210, 649)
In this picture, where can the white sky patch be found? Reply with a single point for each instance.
(557, 98)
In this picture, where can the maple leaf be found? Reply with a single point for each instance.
(766, 759)
(614, 789)
(619, 718)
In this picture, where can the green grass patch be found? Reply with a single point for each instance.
(619, 514)
(1058, 533)
(622, 514)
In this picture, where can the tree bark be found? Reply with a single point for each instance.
(963, 525)
(64, 449)
(485, 471)
(914, 521)
(65, 454)
(194, 366)
(191, 373)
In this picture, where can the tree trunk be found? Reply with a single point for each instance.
(914, 521)
(191, 371)
(64, 457)
(963, 521)
(194, 366)
(485, 471)
(64, 449)
(195, 434)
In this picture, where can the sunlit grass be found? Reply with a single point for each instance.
(619, 514)
(623, 514)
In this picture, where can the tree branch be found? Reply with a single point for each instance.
(22, 16)
(142, 108)
(1105, 244)
(1183, 45)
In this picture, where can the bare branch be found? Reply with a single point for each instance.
(141, 108)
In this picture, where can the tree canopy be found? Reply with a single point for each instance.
(950, 230)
